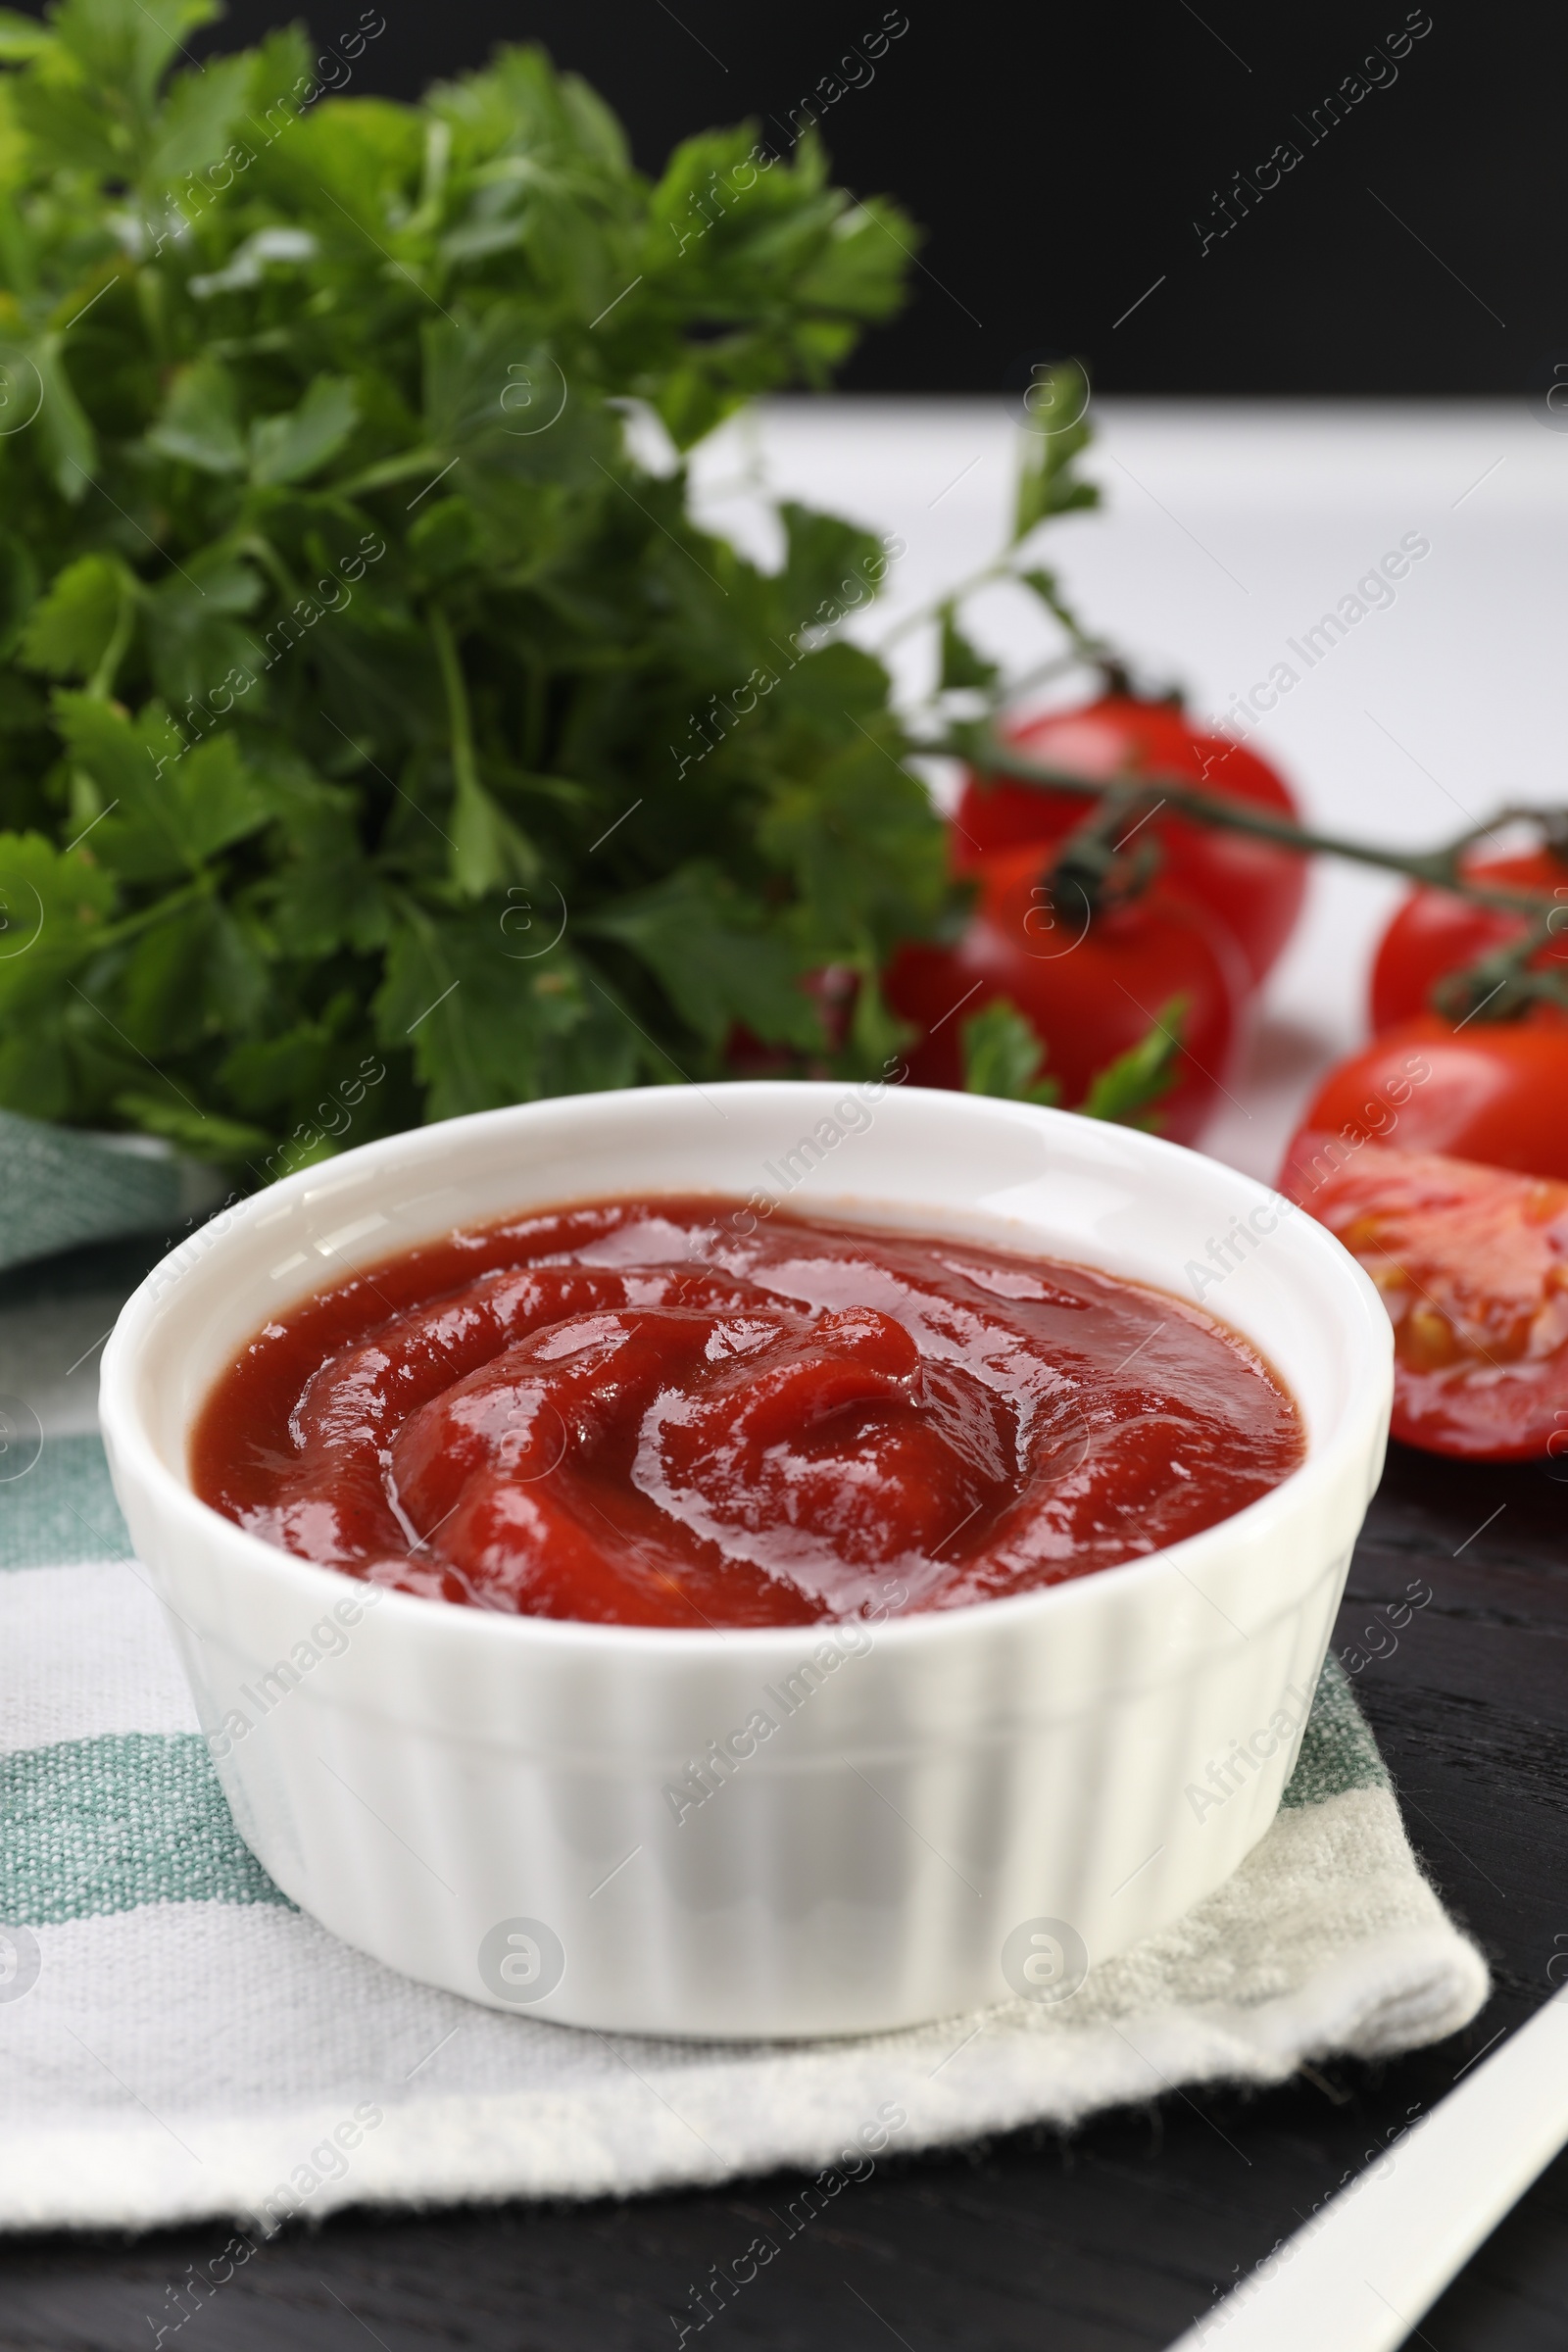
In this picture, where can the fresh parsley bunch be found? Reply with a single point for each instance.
(352, 666)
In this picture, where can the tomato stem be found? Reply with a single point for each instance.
(1500, 986)
(1093, 859)
(1439, 868)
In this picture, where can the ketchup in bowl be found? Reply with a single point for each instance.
(667, 1413)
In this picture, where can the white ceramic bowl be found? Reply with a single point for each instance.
(974, 1806)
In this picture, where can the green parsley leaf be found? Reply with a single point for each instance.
(1004, 1056)
(1130, 1089)
(403, 713)
(74, 626)
(961, 665)
(1057, 432)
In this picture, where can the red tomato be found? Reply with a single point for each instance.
(1473, 1266)
(1256, 891)
(1089, 989)
(1493, 1091)
(1436, 933)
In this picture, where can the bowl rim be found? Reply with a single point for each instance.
(127, 1440)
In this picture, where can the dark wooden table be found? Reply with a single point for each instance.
(1111, 2238)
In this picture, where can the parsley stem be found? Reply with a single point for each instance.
(465, 768)
(101, 684)
(486, 845)
(390, 470)
(113, 935)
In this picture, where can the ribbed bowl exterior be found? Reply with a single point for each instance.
(792, 1832)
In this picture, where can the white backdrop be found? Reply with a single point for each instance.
(1228, 528)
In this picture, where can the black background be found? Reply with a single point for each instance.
(1059, 157)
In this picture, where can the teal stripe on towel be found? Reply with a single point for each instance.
(1338, 1750)
(61, 1509)
(98, 1826)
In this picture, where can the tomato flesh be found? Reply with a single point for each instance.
(1253, 890)
(1472, 1264)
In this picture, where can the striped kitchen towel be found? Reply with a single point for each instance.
(177, 2041)
(63, 1186)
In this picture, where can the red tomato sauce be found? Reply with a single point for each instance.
(666, 1412)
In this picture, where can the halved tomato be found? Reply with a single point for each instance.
(1472, 1263)
(1253, 890)
(1435, 933)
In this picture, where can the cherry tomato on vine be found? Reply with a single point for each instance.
(1089, 988)
(1254, 890)
(1435, 933)
(1472, 1263)
(1495, 1092)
